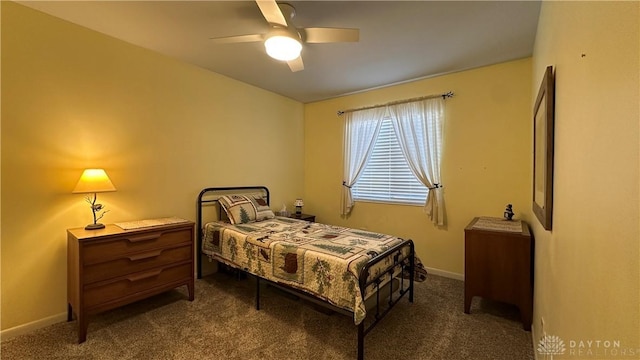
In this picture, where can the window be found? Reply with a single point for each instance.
(386, 176)
(392, 154)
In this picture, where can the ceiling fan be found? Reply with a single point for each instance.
(284, 41)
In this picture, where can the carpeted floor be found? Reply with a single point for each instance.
(222, 323)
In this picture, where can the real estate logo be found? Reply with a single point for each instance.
(551, 345)
(582, 349)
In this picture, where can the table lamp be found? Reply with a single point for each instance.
(298, 204)
(94, 181)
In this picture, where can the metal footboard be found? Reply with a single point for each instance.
(401, 260)
(406, 263)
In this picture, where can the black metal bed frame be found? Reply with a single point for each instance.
(406, 262)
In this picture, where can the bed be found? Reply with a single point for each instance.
(354, 272)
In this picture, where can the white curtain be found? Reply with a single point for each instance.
(361, 130)
(418, 126)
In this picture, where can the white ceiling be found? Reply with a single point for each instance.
(399, 40)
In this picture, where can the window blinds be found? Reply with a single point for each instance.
(386, 177)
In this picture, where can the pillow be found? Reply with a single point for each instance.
(242, 209)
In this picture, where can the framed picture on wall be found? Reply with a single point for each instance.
(543, 121)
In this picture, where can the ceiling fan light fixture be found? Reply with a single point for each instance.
(283, 47)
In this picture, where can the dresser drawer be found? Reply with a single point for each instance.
(100, 293)
(99, 251)
(136, 262)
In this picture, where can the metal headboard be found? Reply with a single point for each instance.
(206, 198)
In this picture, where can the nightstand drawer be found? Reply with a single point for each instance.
(306, 217)
(136, 262)
(99, 251)
(100, 293)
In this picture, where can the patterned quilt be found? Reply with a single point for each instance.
(320, 259)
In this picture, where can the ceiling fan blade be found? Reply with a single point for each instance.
(237, 39)
(328, 35)
(272, 12)
(296, 64)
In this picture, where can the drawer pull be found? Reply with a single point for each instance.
(147, 255)
(147, 237)
(144, 276)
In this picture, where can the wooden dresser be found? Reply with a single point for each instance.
(498, 264)
(111, 267)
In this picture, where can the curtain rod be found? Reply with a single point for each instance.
(444, 96)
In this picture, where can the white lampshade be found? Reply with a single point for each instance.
(298, 202)
(282, 46)
(94, 181)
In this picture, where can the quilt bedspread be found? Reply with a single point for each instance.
(320, 259)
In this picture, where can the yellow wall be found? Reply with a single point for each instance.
(486, 161)
(163, 130)
(587, 267)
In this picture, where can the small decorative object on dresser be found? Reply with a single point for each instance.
(498, 264)
(508, 212)
(113, 266)
(299, 204)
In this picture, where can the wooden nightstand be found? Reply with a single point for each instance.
(498, 264)
(307, 217)
(111, 267)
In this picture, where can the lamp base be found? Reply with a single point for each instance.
(94, 226)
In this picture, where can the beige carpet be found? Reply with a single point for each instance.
(222, 323)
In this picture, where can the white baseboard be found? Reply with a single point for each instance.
(34, 325)
(447, 274)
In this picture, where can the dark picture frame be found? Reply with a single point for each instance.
(543, 124)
